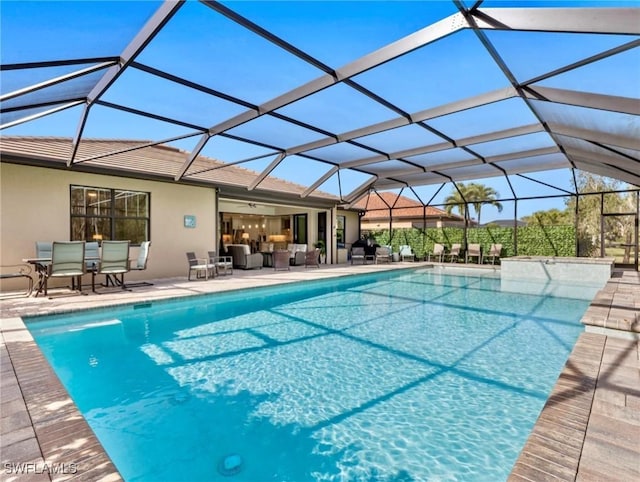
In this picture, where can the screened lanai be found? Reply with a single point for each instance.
(344, 98)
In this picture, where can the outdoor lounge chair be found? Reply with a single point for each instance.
(18, 271)
(406, 253)
(281, 259)
(370, 251)
(297, 253)
(91, 255)
(473, 251)
(438, 250)
(357, 254)
(44, 249)
(454, 252)
(67, 261)
(43, 253)
(312, 258)
(114, 262)
(201, 266)
(383, 255)
(243, 258)
(140, 263)
(221, 262)
(494, 252)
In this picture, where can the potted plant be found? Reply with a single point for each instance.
(323, 249)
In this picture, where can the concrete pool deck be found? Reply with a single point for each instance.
(589, 428)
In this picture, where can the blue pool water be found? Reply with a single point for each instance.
(405, 376)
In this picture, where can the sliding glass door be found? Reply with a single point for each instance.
(300, 228)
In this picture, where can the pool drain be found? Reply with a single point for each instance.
(230, 465)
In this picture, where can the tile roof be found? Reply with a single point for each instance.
(157, 161)
(377, 205)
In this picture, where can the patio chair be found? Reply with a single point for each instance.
(67, 261)
(312, 258)
(43, 254)
(243, 258)
(383, 255)
(370, 252)
(114, 262)
(200, 266)
(91, 255)
(406, 253)
(297, 253)
(473, 251)
(18, 271)
(494, 252)
(281, 259)
(44, 249)
(454, 252)
(357, 254)
(221, 262)
(438, 250)
(140, 263)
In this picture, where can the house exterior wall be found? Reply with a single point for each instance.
(352, 229)
(34, 206)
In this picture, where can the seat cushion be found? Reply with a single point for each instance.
(114, 270)
(296, 248)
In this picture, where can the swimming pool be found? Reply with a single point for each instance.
(400, 376)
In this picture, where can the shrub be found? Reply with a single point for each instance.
(532, 240)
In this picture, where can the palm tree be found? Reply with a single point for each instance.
(479, 194)
(458, 199)
(474, 194)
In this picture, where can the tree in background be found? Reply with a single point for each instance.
(550, 217)
(474, 194)
(589, 211)
(480, 194)
(456, 200)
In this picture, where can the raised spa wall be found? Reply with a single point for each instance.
(544, 268)
(537, 275)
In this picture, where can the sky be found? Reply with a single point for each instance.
(204, 47)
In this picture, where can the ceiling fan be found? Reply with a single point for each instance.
(244, 205)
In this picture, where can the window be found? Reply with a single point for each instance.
(340, 231)
(116, 214)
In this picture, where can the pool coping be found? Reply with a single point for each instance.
(43, 429)
(44, 435)
(589, 428)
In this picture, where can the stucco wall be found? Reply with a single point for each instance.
(352, 221)
(34, 206)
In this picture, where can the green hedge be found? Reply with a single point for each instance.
(532, 240)
(547, 240)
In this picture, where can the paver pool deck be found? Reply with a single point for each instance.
(588, 430)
